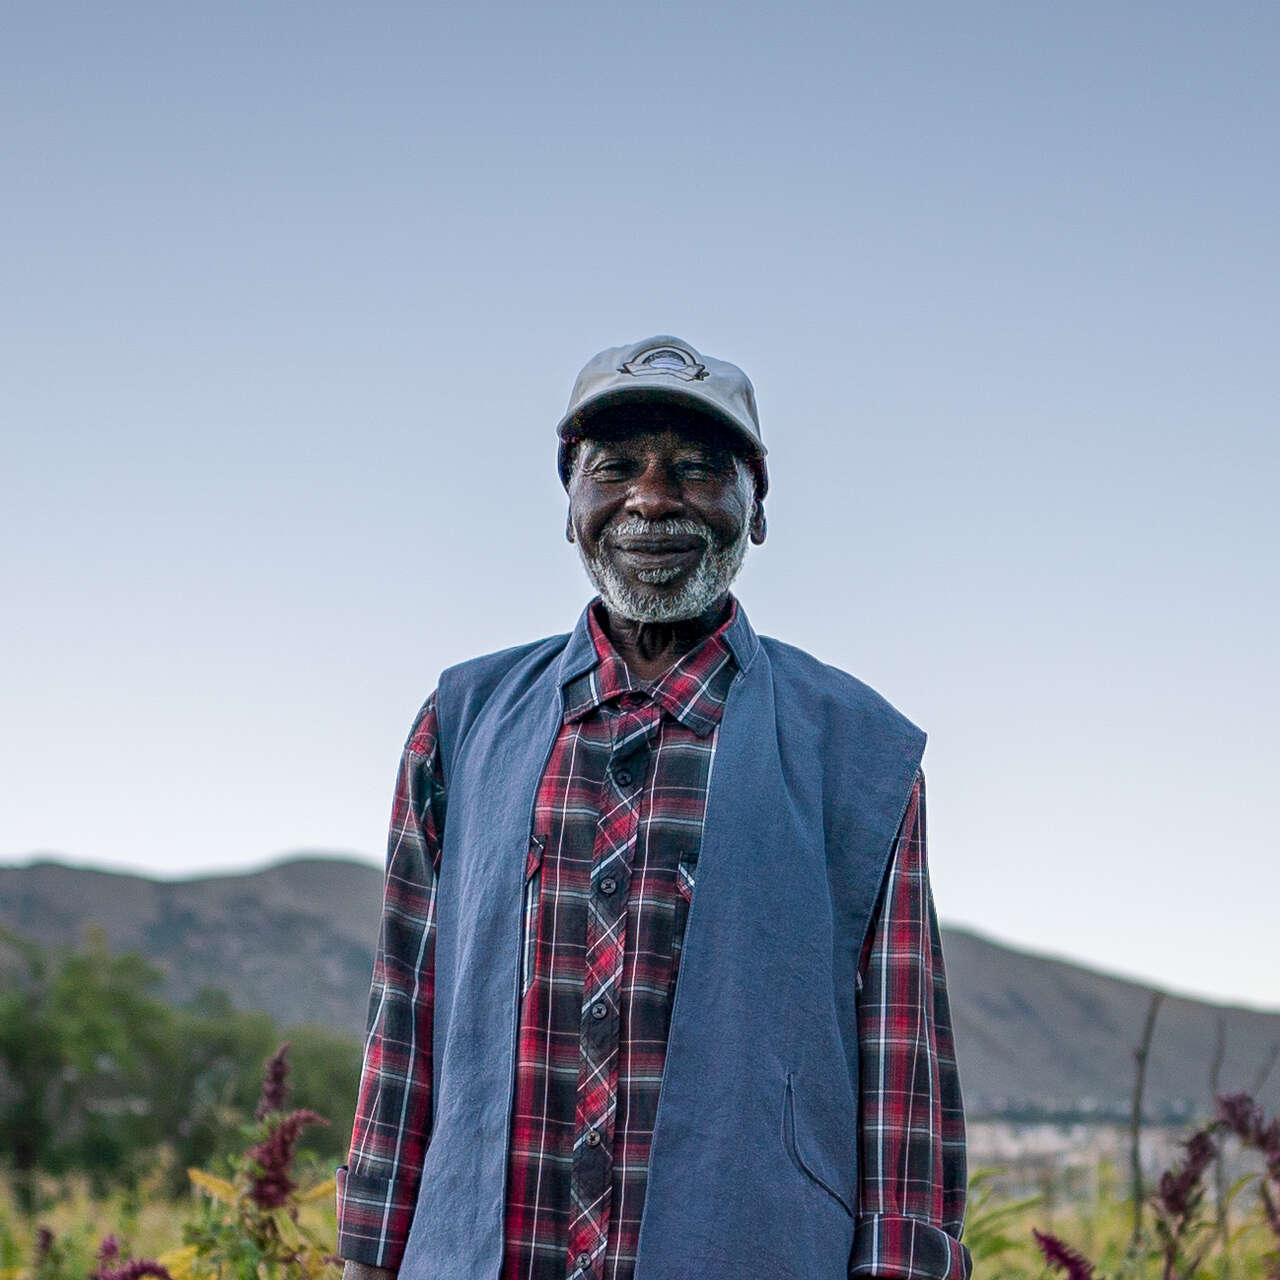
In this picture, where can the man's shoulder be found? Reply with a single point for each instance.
(502, 660)
(821, 686)
(466, 687)
(479, 676)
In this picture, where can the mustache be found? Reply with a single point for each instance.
(635, 527)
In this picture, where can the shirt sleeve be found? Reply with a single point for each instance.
(911, 1160)
(377, 1188)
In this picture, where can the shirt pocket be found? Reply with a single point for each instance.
(532, 911)
(686, 875)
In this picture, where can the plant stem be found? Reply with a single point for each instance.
(1135, 1124)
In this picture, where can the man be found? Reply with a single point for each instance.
(662, 996)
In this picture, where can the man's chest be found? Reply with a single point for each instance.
(617, 827)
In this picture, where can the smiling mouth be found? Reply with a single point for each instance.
(656, 560)
(658, 548)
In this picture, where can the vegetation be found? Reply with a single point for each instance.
(143, 1141)
(248, 1225)
(101, 1079)
(1189, 1240)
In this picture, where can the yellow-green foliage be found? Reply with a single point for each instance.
(264, 1220)
(1098, 1228)
(153, 1229)
(1101, 1230)
(235, 1235)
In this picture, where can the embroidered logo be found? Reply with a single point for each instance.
(675, 361)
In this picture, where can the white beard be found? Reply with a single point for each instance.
(710, 579)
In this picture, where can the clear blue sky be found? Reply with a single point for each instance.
(292, 296)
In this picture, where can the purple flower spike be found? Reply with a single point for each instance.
(274, 1155)
(136, 1269)
(1061, 1257)
(1238, 1113)
(274, 1089)
(1179, 1191)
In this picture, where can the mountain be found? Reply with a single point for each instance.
(1034, 1035)
(296, 939)
(1040, 1034)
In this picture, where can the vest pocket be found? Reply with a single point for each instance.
(807, 1164)
(532, 907)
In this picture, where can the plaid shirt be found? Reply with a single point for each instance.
(609, 876)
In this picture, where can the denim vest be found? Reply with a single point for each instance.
(753, 1166)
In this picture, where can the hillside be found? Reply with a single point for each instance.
(1033, 1033)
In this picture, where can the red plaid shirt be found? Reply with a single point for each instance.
(609, 876)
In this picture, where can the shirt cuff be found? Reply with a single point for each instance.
(372, 1226)
(892, 1245)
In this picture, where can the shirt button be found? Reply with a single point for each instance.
(583, 1260)
(599, 1010)
(593, 1137)
(608, 884)
(624, 777)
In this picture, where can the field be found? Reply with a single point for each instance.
(138, 1139)
(150, 1224)
(999, 1232)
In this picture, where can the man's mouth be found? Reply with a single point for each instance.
(659, 545)
(658, 552)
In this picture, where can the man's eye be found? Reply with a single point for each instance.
(610, 468)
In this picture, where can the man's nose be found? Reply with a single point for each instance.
(655, 493)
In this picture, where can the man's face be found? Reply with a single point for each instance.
(662, 513)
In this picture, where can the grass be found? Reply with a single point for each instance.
(153, 1226)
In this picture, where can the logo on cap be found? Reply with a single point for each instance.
(666, 359)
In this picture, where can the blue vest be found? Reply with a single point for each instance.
(753, 1168)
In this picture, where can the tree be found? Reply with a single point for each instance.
(84, 1047)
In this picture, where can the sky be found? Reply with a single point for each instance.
(292, 297)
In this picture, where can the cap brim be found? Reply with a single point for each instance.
(577, 425)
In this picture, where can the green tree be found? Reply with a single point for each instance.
(84, 1050)
(325, 1078)
(97, 1074)
(216, 1057)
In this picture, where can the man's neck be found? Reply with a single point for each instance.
(650, 649)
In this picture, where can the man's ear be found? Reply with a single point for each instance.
(759, 526)
(568, 525)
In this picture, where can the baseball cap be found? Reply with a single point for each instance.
(668, 369)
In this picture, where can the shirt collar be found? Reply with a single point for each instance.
(693, 691)
(579, 652)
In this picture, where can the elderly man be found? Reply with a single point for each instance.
(581, 1065)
